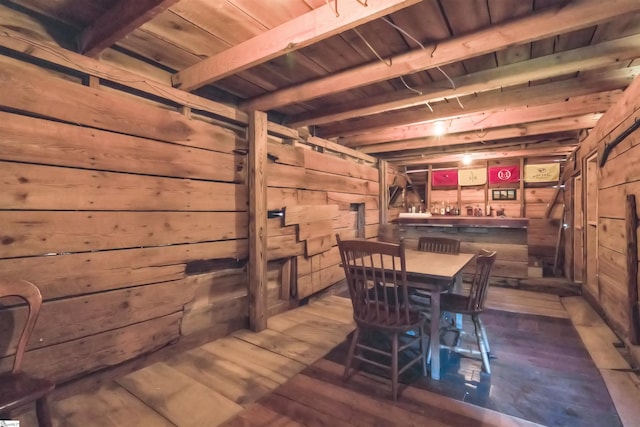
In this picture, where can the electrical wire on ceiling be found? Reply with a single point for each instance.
(334, 9)
(422, 46)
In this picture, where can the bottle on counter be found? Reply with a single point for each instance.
(447, 209)
(488, 210)
(442, 209)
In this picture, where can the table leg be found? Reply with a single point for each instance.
(435, 335)
(457, 288)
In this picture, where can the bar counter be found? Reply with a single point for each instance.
(507, 236)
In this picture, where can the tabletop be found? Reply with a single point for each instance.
(434, 265)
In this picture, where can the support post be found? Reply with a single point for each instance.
(631, 228)
(384, 191)
(257, 220)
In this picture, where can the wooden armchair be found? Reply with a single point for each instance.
(16, 387)
(472, 304)
(376, 307)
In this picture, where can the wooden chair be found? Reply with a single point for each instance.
(367, 264)
(441, 245)
(16, 387)
(473, 305)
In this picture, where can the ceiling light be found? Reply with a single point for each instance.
(439, 128)
(466, 159)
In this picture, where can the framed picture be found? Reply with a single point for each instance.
(503, 194)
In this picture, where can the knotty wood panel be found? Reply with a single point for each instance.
(285, 154)
(315, 180)
(301, 214)
(310, 230)
(277, 198)
(333, 164)
(611, 201)
(344, 200)
(279, 175)
(28, 186)
(75, 274)
(27, 139)
(72, 318)
(36, 233)
(70, 359)
(60, 99)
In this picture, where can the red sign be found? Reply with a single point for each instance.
(444, 178)
(504, 174)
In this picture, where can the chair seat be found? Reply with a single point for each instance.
(456, 303)
(380, 320)
(20, 388)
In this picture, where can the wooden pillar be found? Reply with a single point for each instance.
(631, 229)
(384, 191)
(523, 209)
(257, 220)
(428, 187)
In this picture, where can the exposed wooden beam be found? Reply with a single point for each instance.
(312, 27)
(581, 59)
(488, 155)
(124, 17)
(579, 105)
(547, 23)
(490, 101)
(530, 129)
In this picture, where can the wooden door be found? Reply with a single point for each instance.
(591, 227)
(578, 247)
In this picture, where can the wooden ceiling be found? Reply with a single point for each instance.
(499, 77)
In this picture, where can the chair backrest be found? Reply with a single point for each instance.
(377, 280)
(440, 245)
(480, 283)
(389, 233)
(31, 294)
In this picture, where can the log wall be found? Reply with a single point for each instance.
(129, 213)
(321, 194)
(607, 260)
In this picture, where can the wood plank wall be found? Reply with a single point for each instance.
(301, 180)
(129, 215)
(618, 177)
(542, 233)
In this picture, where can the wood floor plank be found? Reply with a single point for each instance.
(602, 351)
(624, 388)
(179, 398)
(331, 311)
(231, 380)
(110, 406)
(439, 408)
(256, 359)
(285, 345)
(257, 415)
(350, 406)
(306, 415)
(581, 313)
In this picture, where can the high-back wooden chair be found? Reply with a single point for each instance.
(16, 387)
(472, 304)
(441, 245)
(377, 282)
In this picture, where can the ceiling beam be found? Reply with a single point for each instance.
(560, 149)
(489, 101)
(547, 23)
(124, 17)
(593, 103)
(307, 29)
(564, 124)
(562, 63)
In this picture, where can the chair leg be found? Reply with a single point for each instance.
(352, 349)
(42, 412)
(481, 346)
(394, 366)
(424, 345)
(484, 335)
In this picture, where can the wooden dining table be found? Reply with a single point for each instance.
(435, 273)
